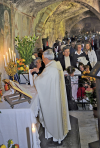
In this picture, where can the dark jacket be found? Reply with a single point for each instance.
(75, 58)
(62, 60)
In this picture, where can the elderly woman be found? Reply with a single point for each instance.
(37, 67)
(91, 55)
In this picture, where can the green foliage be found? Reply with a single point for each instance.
(92, 97)
(13, 146)
(25, 47)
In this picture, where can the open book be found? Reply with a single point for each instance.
(18, 88)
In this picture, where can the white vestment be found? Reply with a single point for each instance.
(54, 114)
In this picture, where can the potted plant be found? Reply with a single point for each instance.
(25, 47)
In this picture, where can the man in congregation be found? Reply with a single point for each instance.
(65, 59)
(50, 85)
(72, 48)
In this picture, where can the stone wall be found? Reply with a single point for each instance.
(12, 24)
(86, 25)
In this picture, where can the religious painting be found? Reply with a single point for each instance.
(5, 34)
(5, 28)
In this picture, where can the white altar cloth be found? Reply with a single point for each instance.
(13, 122)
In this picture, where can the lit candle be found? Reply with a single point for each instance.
(34, 136)
(15, 57)
(4, 61)
(33, 128)
(7, 57)
(9, 53)
(12, 56)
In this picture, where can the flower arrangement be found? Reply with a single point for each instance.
(25, 47)
(21, 66)
(91, 94)
(10, 145)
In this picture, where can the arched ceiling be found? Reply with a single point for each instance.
(32, 7)
(63, 11)
(67, 10)
(56, 10)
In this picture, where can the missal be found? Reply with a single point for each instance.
(16, 86)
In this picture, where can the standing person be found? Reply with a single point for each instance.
(77, 54)
(50, 85)
(74, 82)
(65, 59)
(72, 48)
(91, 55)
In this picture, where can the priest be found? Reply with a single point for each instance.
(50, 85)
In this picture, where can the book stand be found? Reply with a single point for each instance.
(20, 94)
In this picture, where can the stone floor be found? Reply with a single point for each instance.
(72, 140)
(87, 127)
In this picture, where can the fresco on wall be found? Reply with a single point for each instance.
(5, 28)
(5, 35)
(23, 25)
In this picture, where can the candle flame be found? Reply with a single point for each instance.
(33, 128)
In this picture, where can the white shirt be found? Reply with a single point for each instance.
(67, 62)
(78, 53)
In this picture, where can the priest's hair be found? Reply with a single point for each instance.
(48, 54)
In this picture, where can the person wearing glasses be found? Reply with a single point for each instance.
(65, 59)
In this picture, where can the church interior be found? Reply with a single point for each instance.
(68, 30)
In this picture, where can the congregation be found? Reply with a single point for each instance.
(77, 57)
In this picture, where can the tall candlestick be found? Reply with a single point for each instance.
(9, 53)
(34, 136)
(15, 57)
(7, 57)
(12, 56)
(4, 61)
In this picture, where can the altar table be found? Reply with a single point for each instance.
(13, 122)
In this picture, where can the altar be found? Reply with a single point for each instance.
(13, 122)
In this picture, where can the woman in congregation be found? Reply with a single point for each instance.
(37, 67)
(91, 55)
(78, 54)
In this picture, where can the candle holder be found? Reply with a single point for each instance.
(11, 68)
(0, 80)
(0, 98)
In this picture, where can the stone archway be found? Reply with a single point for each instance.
(51, 9)
(75, 20)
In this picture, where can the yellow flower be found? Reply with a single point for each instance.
(23, 60)
(11, 142)
(18, 61)
(27, 68)
(3, 146)
(21, 68)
